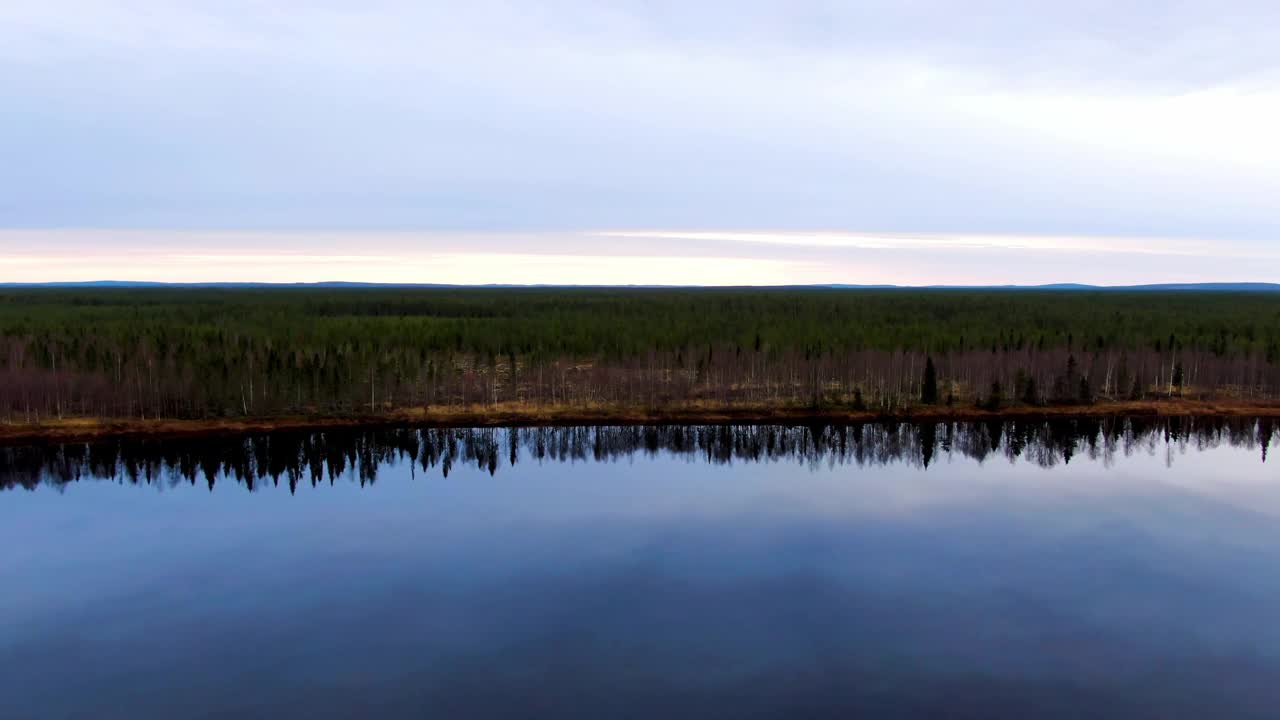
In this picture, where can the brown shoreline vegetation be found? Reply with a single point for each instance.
(79, 429)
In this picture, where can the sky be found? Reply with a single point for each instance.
(637, 142)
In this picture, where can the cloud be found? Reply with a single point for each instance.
(952, 242)
(1076, 119)
(667, 257)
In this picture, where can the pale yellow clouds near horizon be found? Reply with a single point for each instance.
(36, 264)
(622, 257)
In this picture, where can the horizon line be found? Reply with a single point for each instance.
(1226, 285)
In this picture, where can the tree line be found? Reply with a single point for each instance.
(193, 353)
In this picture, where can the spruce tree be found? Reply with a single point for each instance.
(1029, 395)
(929, 390)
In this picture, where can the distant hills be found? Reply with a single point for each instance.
(1197, 287)
(1225, 287)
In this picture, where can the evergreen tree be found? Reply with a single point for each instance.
(1029, 395)
(1122, 376)
(858, 402)
(993, 398)
(1065, 386)
(929, 390)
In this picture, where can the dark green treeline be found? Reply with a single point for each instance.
(199, 352)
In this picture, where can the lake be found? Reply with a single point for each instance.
(1125, 568)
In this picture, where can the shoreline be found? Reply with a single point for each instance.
(82, 429)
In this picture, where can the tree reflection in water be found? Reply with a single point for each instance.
(326, 455)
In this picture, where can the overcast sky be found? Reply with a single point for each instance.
(687, 142)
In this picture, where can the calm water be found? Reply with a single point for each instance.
(1125, 569)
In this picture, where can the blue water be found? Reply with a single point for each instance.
(1140, 580)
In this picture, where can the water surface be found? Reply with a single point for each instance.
(1066, 569)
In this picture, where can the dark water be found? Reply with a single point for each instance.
(1126, 569)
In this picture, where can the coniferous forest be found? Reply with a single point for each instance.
(170, 352)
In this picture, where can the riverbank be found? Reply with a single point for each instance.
(84, 429)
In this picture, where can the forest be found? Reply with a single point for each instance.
(171, 352)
